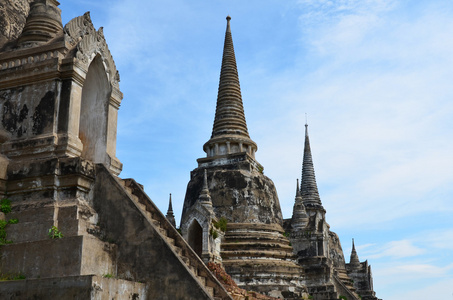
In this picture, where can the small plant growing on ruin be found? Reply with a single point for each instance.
(213, 233)
(108, 275)
(261, 169)
(343, 298)
(221, 224)
(54, 233)
(12, 276)
(5, 207)
(3, 240)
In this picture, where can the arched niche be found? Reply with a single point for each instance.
(195, 236)
(94, 112)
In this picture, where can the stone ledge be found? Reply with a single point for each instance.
(254, 226)
(69, 256)
(73, 287)
(257, 253)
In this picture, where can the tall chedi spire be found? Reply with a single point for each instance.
(229, 133)
(254, 251)
(308, 186)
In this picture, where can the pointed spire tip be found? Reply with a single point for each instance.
(228, 18)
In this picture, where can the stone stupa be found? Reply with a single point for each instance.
(254, 250)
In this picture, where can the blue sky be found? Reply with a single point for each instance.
(374, 77)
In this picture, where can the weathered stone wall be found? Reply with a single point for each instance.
(142, 253)
(28, 111)
(73, 287)
(335, 251)
(240, 195)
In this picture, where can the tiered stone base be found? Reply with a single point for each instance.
(260, 258)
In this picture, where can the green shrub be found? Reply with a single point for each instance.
(213, 233)
(221, 224)
(54, 233)
(5, 205)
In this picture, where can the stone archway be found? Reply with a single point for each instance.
(196, 237)
(94, 112)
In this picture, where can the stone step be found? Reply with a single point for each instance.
(253, 236)
(163, 231)
(148, 214)
(141, 206)
(170, 240)
(178, 250)
(210, 290)
(257, 254)
(193, 269)
(257, 245)
(186, 260)
(202, 280)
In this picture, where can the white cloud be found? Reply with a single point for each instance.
(439, 290)
(397, 249)
(413, 271)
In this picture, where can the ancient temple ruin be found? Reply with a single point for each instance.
(83, 232)
(289, 258)
(318, 249)
(254, 251)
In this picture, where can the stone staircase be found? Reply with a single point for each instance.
(176, 242)
(346, 283)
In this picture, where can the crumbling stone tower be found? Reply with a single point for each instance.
(59, 98)
(360, 273)
(317, 248)
(255, 251)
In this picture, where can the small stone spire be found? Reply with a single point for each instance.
(354, 261)
(170, 216)
(43, 23)
(308, 187)
(205, 198)
(300, 217)
(229, 131)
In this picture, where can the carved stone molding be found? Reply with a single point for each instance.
(87, 43)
